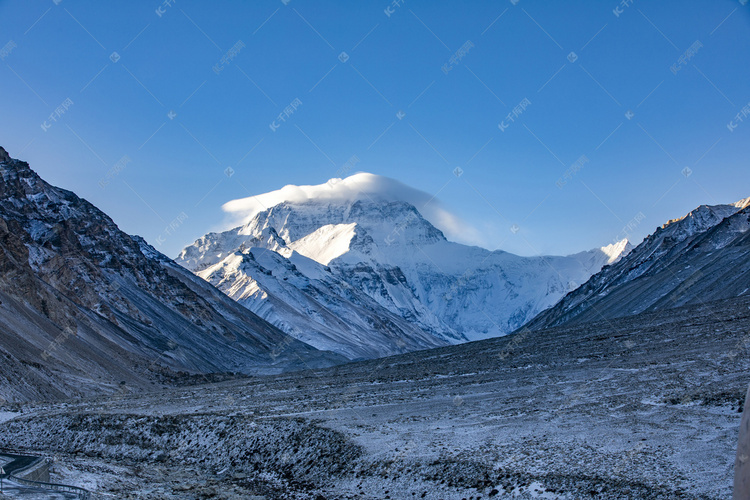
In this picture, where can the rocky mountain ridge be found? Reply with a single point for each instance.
(86, 306)
(700, 257)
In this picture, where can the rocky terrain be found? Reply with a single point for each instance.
(87, 309)
(700, 257)
(643, 407)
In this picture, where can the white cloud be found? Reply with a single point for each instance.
(359, 186)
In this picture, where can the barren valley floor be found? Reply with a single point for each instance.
(640, 407)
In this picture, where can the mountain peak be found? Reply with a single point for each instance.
(742, 204)
(617, 250)
(14, 169)
(348, 195)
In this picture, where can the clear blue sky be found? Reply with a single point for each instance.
(582, 67)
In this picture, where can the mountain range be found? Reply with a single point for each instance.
(313, 276)
(353, 266)
(701, 257)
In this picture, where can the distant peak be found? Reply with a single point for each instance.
(742, 204)
(614, 251)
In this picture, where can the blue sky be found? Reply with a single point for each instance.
(130, 105)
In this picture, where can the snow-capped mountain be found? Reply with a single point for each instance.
(304, 299)
(363, 240)
(86, 308)
(698, 258)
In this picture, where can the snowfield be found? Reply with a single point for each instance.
(645, 407)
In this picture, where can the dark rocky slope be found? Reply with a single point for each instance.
(87, 308)
(701, 257)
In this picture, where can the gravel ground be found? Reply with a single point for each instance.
(644, 407)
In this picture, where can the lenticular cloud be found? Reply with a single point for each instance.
(364, 186)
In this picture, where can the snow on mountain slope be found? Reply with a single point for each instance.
(702, 256)
(326, 243)
(380, 245)
(85, 306)
(305, 300)
(615, 251)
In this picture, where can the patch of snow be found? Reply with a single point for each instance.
(7, 415)
(326, 243)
